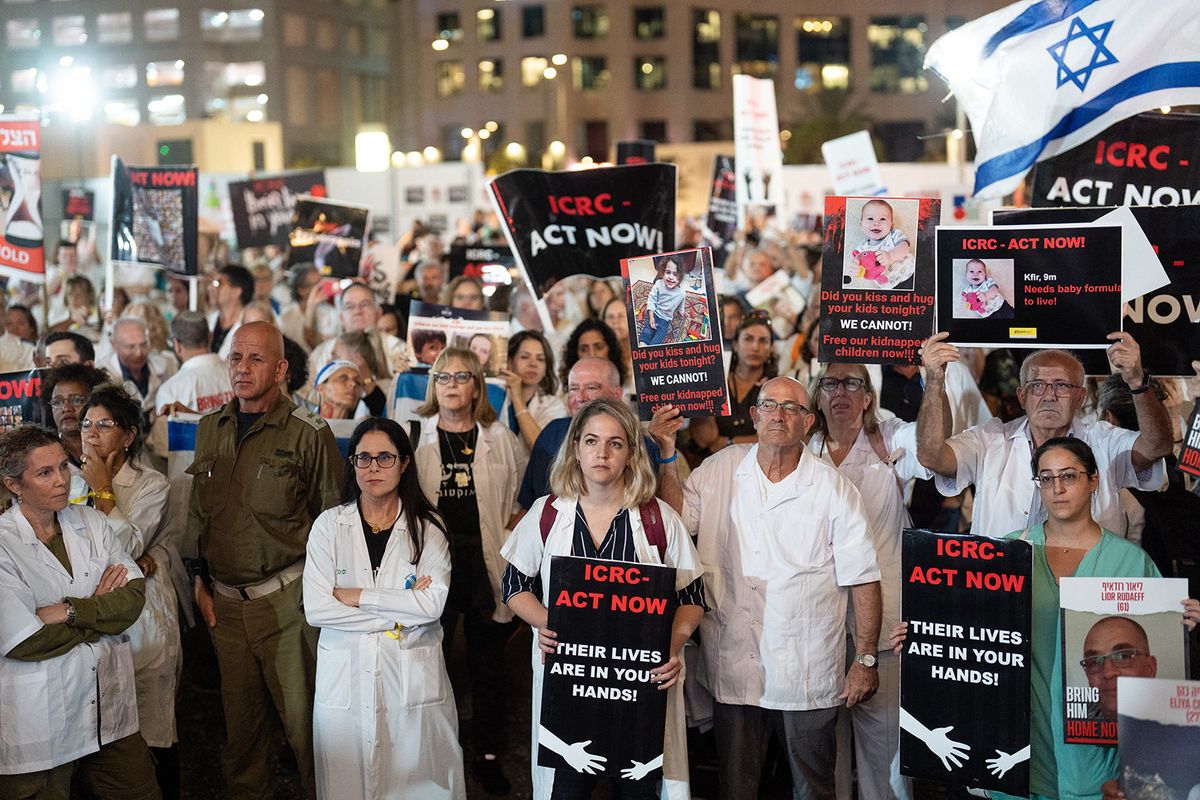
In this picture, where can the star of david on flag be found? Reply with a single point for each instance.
(1041, 76)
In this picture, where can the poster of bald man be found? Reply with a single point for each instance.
(1114, 628)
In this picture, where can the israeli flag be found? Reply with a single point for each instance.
(1041, 76)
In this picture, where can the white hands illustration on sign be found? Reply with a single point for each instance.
(1003, 761)
(574, 754)
(945, 748)
(638, 770)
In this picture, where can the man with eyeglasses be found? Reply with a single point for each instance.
(1115, 647)
(134, 364)
(784, 542)
(994, 456)
(263, 471)
(360, 313)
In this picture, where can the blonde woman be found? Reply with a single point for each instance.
(600, 478)
(470, 467)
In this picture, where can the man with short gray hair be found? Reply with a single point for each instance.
(132, 363)
(202, 382)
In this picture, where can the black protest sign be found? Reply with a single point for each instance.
(613, 621)
(722, 208)
(1189, 455)
(79, 204)
(965, 669)
(1166, 322)
(490, 264)
(330, 234)
(677, 347)
(635, 151)
(1029, 286)
(1147, 160)
(20, 402)
(877, 285)
(584, 222)
(263, 207)
(154, 217)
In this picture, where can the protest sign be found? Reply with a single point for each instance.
(756, 143)
(1165, 322)
(20, 399)
(330, 234)
(635, 151)
(1112, 627)
(154, 217)
(381, 269)
(965, 672)
(1147, 160)
(584, 222)
(722, 217)
(263, 207)
(1160, 737)
(613, 621)
(852, 165)
(22, 230)
(877, 285)
(492, 264)
(432, 328)
(676, 325)
(1029, 286)
(782, 301)
(79, 204)
(1189, 454)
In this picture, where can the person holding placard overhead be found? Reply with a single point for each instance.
(602, 482)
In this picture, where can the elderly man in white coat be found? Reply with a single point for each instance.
(359, 312)
(134, 364)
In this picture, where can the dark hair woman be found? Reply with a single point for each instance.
(592, 338)
(531, 400)
(754, 362)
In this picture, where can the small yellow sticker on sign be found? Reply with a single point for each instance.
(1022, 333)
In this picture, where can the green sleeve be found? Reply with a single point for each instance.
(111, 613)
(328, 469)
(52, 641)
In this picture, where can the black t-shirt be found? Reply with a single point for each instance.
(246, 420)
(376, 542)
(376, 402)
(457, 502)
(218, 336)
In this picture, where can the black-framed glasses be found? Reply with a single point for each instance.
(443, 378)
(72, 400)
(787, 406)
(1060, 388)
(99, 424)
(1120, 659)
(363, 460)
(1069, 477)
(830, 385)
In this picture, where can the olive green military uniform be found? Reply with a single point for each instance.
(252, 505)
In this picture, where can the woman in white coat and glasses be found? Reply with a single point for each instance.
(375, 583)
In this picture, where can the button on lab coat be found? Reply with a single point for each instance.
(384, 720)
(60, 709)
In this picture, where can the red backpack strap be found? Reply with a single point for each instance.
(549, 514)
(656, 532)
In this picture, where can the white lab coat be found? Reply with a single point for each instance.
(526, 551)
(49, 708)
(497, 468)
(384, 720)
(141, 526)
(162, 366)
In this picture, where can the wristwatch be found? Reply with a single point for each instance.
(70, 614)
(868, 660)
(1145, 383)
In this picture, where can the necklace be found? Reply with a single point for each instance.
(463, 441)
(377, 528)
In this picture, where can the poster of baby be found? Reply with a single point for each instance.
(878, 282)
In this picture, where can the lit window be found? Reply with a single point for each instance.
(650, 73)
(22, 33)
(532, 69)
(706, 49)
(649, 23)
(121, 76)
(591, 72)
(589, 22)
(122, 112)
(450, 78)
(897, 54)
(167, 110)
(116, 28)
(488, 24)
(491, 75)
(241, 25)
(823, 53)
(757, 45)
(161, 24)
(449, 27)
(68, 31)
(164, 73)
(24, 80)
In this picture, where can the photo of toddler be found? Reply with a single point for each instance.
(981, 295)
(666, 296)
(879, 254)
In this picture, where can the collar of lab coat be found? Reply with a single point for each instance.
(800, 477)
(70, 519)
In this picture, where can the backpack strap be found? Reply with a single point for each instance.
(652, 523)
(549, 514)
(414, 432)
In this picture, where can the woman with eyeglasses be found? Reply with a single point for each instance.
(375, 582)
(879, 458)
(601, 479)
(754, 363)
(64, 393)
(1070, 543)
(124, 487)
(470, 466)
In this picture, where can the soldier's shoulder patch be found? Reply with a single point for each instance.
(212, 411)
(311, 417)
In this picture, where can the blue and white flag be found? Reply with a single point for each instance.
(1041, 76)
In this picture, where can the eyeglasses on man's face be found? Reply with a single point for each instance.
(1060, 388)
(1120, 659)
(787, 407)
